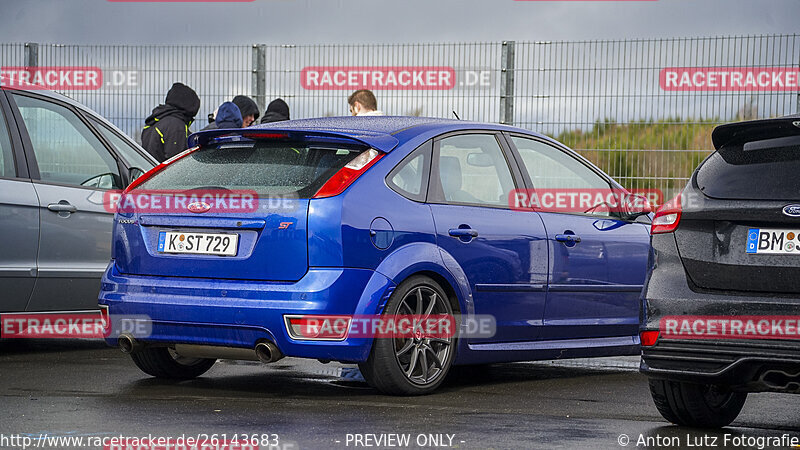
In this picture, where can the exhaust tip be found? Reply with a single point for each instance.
(781, 380)
(267, 352)
(126, 343)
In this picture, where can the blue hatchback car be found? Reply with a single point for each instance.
(369, 217)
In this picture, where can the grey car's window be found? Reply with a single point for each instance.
(473, 170)
(552, 168)
(134, 159)
(6, 157)
(66, 150)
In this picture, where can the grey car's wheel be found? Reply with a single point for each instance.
(696, 405)
(412, 365)
(163, 362)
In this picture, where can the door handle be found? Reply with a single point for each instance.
(62, 206)
(568, 238)
(463, 232)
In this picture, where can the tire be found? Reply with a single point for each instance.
(162, 362)
(387, 368)
(696, 405)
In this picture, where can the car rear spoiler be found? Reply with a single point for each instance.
(378, 141)
(740, 133)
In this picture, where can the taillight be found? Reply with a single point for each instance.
(667, 217)
(149, 174)
(318, 328)
(255, 135)
(348, 174)
(649, 338)
(105, 320)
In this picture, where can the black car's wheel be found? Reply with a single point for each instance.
(696, 405)
(163, 362)
(412, 365)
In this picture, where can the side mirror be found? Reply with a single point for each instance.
(635, 205)
(103, 181)
(134, 173)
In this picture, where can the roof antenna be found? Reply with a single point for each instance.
(454, 113)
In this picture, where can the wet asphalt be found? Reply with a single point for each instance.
(63, 388)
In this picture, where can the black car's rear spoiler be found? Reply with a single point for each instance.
(740, 133)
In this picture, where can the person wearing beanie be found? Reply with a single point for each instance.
(248, 108)
(277, 111)
(167, 128)
(226, 116)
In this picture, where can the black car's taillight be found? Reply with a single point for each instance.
(649, 338)
(667, 217)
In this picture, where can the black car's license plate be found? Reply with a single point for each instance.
(776, 242)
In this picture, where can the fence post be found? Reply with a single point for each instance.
(259, 84)
(31, 54)
(507, 83)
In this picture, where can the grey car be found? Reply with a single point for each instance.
(57, 161)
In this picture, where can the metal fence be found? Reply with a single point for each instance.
(606, 99)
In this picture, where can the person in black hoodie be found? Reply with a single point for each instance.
(277, 111)
(248, 108)
(167, 128)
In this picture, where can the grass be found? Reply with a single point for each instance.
(647, 154)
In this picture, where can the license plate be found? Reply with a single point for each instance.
(774, 242)
(222, 244)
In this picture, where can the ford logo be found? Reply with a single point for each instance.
(792, 210)
(201, 207)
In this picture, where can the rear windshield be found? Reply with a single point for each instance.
(759, 170)
(266, 168)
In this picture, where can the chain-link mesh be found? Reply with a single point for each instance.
(605, 100)
(602, 98)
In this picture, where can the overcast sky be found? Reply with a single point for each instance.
(375, 21)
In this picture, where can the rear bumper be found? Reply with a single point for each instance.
(239, 313)
(753, 366)
(744, 364)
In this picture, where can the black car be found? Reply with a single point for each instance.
(722, 301)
